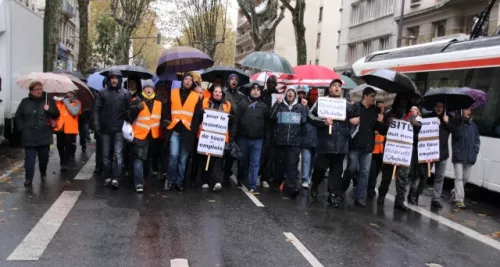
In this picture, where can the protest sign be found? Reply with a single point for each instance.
(274, 98)
(397, 154)
(332, 108)
(429, 129)
(211, 144)
(428, 142)
(400, 131)
(428, 150)
(215, 121)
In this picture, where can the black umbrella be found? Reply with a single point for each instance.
(453, 98)
(210, 74)
(269, 61)
(392, 82)
(78, 74)
(130, 70)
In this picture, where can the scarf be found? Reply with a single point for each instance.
(148, 97)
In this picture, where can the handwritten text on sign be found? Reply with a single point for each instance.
(430, 128)
(215, 121)
(332, 108)
(428, 150)
(274, 98)
(397, 153)
(400, 130)
(211, 144)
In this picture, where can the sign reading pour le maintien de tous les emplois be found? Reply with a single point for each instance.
(428, 140)
(213, 133)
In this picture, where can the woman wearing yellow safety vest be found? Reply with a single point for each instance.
(146, 112)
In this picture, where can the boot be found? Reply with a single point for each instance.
(314, 191)
(332, 200)
(412, 197)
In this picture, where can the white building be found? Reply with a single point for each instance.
(68, 48)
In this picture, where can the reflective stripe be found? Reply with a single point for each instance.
(143, 118)
(156, 116)
(142, 125)
(157, 124)
(183, 112)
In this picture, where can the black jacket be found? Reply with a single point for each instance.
(365, 137)
(465, 142)
(338, 141)
(267, 97)
(252, 117)
(445, 129)
(33, 122)
(289, 121)
(234, 96)
(110, 110)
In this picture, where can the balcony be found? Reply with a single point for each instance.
(242, 21)
(68, 10)
(244, 38)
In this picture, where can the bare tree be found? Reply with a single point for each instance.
(264, 21)
(84, 51)
(51, 27)
(299, 28)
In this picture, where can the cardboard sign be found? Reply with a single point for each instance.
(274, 98)
(428, 140)
(397, 153)
(211, 144)
(215, 121)
(332, 108)
(401, 131)
(430, 128)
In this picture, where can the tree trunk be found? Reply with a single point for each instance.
(83, 56)
(123, 55)
(300, 44)
(51, 26)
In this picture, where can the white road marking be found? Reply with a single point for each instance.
(453, 225)
(88, 170)
(9, 172)
(35, 243)
(179, 263)
(250, 195)
(303, 250)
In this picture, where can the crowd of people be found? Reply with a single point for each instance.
(268, 134)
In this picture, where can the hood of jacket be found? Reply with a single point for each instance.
(295, 100)
(118, 74)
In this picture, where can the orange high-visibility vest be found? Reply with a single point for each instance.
(379, 144)
(206, 94)
(182, 113)
(226, 107)
(66, 122)
(148, 121)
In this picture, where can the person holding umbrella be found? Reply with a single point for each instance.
(33, 121)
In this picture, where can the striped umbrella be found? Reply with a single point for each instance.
(262, 77)
(312, 75)
(182, 59)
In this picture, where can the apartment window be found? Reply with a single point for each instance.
(352, 54)
(316, 61)
(320, 14)
(384, 43)
(371, 9)
(318, 41)
(439, 28)
(386, 7)
(413, 32)
(367, 48)
(355, 14)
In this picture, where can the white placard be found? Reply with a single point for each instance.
(274, 98)
(215, 121)
(400, 130)
(428, 151)
(397, 153)
(211, 144)
(429, 129)
(332, 108)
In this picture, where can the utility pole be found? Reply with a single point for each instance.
(400, 24)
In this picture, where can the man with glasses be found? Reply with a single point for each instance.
(362, 143)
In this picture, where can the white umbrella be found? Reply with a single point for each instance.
(52, 83)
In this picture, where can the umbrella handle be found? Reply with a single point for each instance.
(46, 101)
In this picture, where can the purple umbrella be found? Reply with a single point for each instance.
(182, 59)
(478, 95)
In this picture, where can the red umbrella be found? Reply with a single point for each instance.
(312, 75)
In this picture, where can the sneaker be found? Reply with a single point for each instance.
(107, 182)
(139, 188)
(453, 196)
(204, 186)
(254, 192)
(115, 184)
(436, 204)
(258, 181)
(168, 185)
(27, 183)
(265, 184)
(305, 185)
(460, 204)
(217, 187)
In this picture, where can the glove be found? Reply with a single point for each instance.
(140, 106)
(56, 98)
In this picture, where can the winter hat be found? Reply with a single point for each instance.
(336, 80)
(148, 83)
(255, 85)
(187, 74)
(272, 78)
(233, 75)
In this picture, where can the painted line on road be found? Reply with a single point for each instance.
(250, 195)
(303, 250)
(179, 263)
(35, 243)
(88, 170)
(453, 225)
(5, 177)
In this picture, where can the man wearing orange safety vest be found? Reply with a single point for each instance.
(67, 127)
(146, 112)
(377, 156)
(183, 112)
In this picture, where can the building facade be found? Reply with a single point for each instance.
(68, 47)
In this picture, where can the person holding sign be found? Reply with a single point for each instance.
(332, 146)
(183, 110)
(252, 117)
(213, 174)
(289, 116)
(145, 111)
(417, 175)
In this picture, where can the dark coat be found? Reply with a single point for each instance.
(465, 142)
(309, 138)
(289, 120)
(33, 122)
(445, 129)
(368, 124)
(252, 117)
(234, 96)
(338, 141)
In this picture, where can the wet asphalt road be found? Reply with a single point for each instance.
(121, 228)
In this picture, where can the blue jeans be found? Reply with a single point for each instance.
(250, 160)
(141, 170)
(116, 141)
(363, 160)
(177, 160)
(30, 154)
(308, 161)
